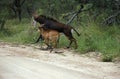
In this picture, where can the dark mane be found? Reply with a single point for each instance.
(48, 18)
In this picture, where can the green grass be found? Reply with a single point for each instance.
(106, 41)
(94, 38)
(19, 32)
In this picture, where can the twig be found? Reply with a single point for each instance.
(109, 20)
(76, 14)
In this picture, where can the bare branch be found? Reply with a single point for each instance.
(111, 18)
(76, 13)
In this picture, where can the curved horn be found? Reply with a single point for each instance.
(35, 14)
(42, 25)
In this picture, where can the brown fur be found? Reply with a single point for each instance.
(51, 37)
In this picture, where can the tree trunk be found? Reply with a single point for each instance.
(2, 24)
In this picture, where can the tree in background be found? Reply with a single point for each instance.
(108, 9)
(3, 13)
(16, 6)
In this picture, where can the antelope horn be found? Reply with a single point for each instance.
(42, 25)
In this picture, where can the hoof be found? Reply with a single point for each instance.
(51, 50)
(67, 47)
(59, 52)
(45, 49)
(49, 47)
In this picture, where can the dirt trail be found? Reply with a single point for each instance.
(67, 60)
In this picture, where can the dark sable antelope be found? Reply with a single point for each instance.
(53, 24)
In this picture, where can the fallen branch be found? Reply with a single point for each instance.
(110, 19)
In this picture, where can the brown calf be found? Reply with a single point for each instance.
(50, 37)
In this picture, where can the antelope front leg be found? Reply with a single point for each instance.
(40, 37)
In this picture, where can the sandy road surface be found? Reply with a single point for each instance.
(24, 68)
(28, 62)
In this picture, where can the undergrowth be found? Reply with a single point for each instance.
(94, 38)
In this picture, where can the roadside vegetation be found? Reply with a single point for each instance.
(93, 38)
(98, 23)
